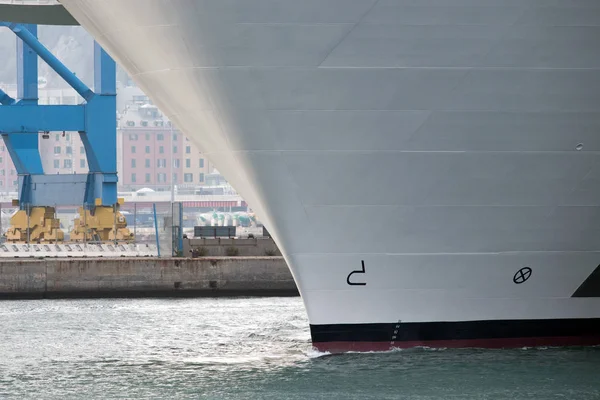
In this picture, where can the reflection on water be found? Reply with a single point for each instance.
(250, 348)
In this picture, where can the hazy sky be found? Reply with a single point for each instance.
(71, 44)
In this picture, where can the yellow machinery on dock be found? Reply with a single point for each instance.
(102, 224)
(39, 225)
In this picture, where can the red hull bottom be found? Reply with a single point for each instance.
(343, 347)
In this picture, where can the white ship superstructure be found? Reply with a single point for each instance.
(429, 168)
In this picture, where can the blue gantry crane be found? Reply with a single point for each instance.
(23, 120)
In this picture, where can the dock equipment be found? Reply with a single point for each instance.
(22, 120)
(105, 224)
(40, 224)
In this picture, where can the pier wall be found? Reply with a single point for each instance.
(145, 277)
(219, 247)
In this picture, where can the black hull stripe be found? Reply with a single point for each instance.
(466, 330)
(591, 286)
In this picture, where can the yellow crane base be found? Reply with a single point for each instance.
(102, 224)
(41, 225)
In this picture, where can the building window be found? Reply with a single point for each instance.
(132, 177)
(147, 136)
(82, 150)
(1, 183)
(188, 163)
(56, 163)
(202, 163)
(161, 149)
(2, 172)
(147, 149)
(147, 163)
(174, 149)
(176, 163)
(161, 162)
(133, 163)
(174, 178)
(188, 177)
(15, 183)
(68, 137)
(161, 177)
(160, 136)
(174, 137)
(82, 163)
(67, 163)
(56, 149)
(12, 171)
(132, 149)
(69, 150)
(57, 137)
(133, 136)
(188, 149)
(201, 176)
(1, 159)
(147, 178)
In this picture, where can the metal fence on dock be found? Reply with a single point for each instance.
(162, 225)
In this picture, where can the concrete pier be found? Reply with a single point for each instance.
(220, 247)
(145, 277)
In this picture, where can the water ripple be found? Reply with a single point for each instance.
(250, 348)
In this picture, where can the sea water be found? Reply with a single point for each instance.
(250, 348)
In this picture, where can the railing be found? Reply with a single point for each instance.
(61, 250)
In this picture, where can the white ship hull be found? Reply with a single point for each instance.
(448, 145)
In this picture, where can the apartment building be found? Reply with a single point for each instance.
(150, 152)
(155, 154)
